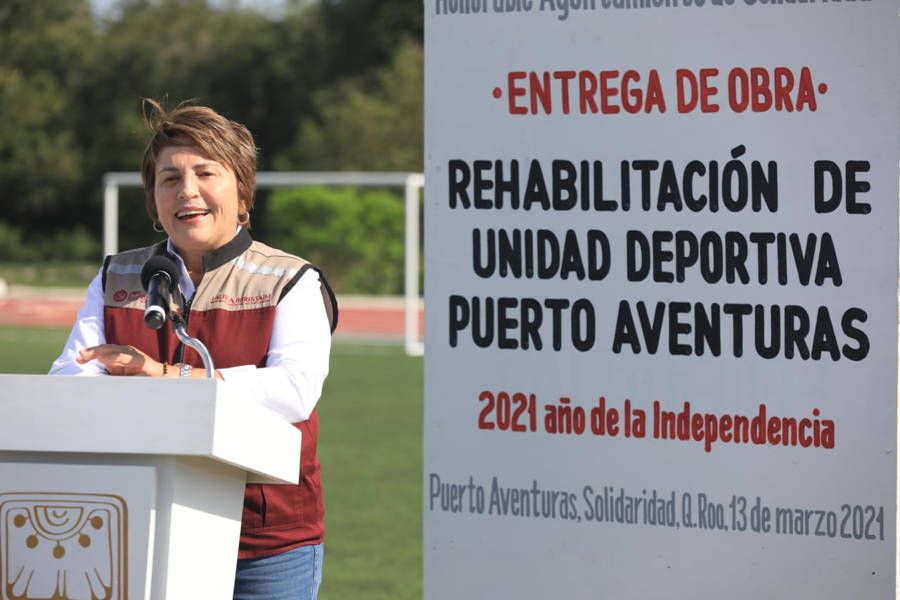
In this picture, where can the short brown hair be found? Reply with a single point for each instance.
(225, 141)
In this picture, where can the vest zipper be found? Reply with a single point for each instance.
(264, 505)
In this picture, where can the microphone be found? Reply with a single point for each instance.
(159, 276)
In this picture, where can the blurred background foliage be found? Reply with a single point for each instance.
(323, 85)
(358, 233)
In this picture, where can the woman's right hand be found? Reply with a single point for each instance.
(119, 359)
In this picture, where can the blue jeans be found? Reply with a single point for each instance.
(292, 575)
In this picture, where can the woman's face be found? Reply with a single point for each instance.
(196, 200)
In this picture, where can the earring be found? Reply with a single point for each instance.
(157, 227)
(243, 218)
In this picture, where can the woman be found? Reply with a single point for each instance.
(266, 317)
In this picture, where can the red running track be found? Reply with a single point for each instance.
(359, 317)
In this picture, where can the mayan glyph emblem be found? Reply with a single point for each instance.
(63, 547)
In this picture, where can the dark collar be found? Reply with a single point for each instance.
(222, 255)
(228, 252)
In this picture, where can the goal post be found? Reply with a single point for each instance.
(411, 183)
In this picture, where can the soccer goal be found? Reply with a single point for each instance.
(411, 183)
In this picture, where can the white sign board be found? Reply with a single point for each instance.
(661, 290)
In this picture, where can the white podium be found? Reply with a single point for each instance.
(127, 487)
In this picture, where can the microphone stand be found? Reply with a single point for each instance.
(194, 343)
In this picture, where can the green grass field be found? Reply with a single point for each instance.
(370, 445)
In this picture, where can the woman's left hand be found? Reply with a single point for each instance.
(121, 360)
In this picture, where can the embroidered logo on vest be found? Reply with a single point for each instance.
(242, 300)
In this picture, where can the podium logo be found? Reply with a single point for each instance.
(63, 547)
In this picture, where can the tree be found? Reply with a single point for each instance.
(366, 33)
(44, 49)
(327, 84)
(366, 123)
